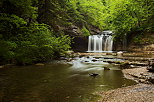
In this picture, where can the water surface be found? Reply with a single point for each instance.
(60, 82)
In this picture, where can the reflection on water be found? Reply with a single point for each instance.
(60, 82)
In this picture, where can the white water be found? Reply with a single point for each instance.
(100, 43)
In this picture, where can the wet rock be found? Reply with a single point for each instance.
(94, 60)
(69, 59)
(98, 57)
(117, 62)
(39, 64)
(80, 56)
(69, 52)
(120, 54)
(88, 57)
(108, 58)
(63, 58)
(108, 53)
(106, 68)
(93, 74)
(8, 65)
(1, 67)
(86, 61)
(109, 61)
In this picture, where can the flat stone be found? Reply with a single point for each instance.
(1, 66)
(39, 64)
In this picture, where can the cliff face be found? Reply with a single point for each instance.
(143, 42)
(80, 42)
(149, 47)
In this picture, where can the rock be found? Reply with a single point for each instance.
(69, 59)
(1, 67)
(70, 52)
(151, 79)
(73, 31)
(88, 57)
(108, 53)
(39, 64)
(150, 65)
(93, 74)
(8, 65)
(86, 61)
(120, 54)
(141, 80)
(94, 60)
(106, 68)
(97, 57)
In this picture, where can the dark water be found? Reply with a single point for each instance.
(59, 82)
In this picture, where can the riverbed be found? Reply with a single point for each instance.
(61, 81)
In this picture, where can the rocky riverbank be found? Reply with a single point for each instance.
(140, 75)
(135, 93)
(134, 66)
(142, 92)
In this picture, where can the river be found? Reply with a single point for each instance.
(60, 82)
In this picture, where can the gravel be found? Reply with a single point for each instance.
(142, 92)
(135, 93)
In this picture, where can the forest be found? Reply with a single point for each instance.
(34, 31)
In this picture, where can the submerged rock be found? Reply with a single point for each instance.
(93, 74)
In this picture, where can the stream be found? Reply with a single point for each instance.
(61, 82)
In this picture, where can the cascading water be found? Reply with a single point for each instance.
(100, 43)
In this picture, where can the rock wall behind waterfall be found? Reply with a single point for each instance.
(135, 42)
(80, 44)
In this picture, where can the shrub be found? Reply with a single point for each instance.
(85, 31)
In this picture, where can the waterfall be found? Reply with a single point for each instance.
(101, 42)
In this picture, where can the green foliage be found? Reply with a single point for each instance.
(23, 8)
(85, 31)
(10, 24)
(126, 16)
(29, 44)
(61, 44)
(143, 39)
(34, 44)
(25, 25)
(38, 44)
(87, 12)
(6, 49)
(138, 39)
